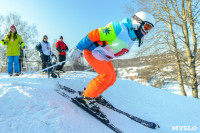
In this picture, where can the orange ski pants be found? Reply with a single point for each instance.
(105, 79)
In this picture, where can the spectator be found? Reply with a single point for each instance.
(44, 48)
(62, 49)
(13, 41)
(45, 52)
(21, 59)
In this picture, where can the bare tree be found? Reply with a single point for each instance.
(28, 33)
(173, 18)
(185, 16)
(164, 9)
(53, 47)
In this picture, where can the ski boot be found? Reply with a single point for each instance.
(53, 75)
(90, 103)
(16, 74)
(101, 100)
(90, 106)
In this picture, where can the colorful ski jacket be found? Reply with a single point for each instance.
(61, 47)
(13, 45)
(110, 41)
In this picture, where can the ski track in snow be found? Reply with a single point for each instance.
(30, 105)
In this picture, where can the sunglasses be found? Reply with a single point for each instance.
(45, 38)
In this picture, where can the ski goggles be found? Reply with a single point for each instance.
(147, 27)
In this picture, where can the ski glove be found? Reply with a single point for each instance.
(2, 42)
(22, 44)
(59, 49)
(40, 53)
(54, 58)
(75, 54)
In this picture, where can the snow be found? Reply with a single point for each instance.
(173, 87)
(29, 104)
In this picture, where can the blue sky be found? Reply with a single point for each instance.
(71, 18)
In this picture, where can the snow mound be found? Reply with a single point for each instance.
(31, 105)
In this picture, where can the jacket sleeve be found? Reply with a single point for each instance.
(6, 40)
(57, 47)
(21, 42)
(39, 47)
(106, 33)
(66, 48)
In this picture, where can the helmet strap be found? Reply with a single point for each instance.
(140, 42)
(138, 20)
(139, 35)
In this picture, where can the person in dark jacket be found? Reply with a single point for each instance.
(21, 58)
(62, 48)
(45, 53)
(44, 48)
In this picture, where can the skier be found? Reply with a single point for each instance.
(13, 41)
(62, 48)
(103, 44)
(45, 52)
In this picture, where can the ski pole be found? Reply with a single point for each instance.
(47, 68)
(88, 69)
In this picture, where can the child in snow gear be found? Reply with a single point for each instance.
(103, 44)
(62, 48)
(13, 41)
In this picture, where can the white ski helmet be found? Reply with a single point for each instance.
(142, 18)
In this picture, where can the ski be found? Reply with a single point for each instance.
(98, 115)
(145, 123)
(148, 124)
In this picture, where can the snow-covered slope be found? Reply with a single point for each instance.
(30, 105)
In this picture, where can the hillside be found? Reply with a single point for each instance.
(30, 105)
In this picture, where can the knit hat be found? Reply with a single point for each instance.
(12, 26)
(45, 36)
